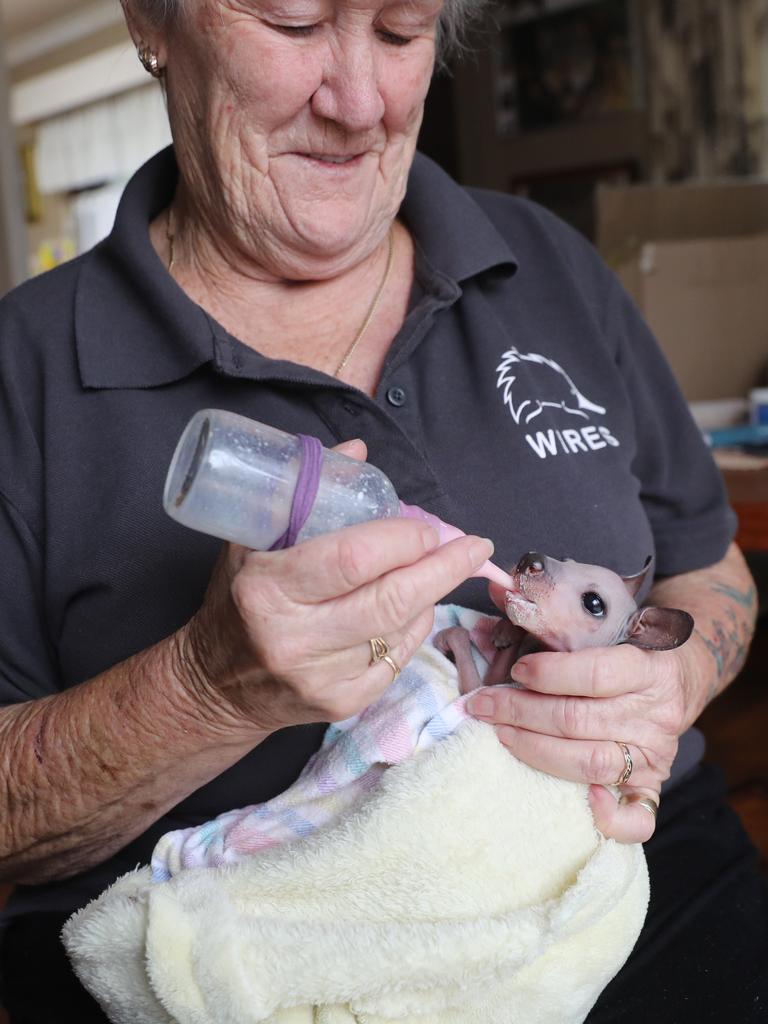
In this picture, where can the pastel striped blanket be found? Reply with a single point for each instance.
(419, 709)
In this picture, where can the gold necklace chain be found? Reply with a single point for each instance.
(373, 307)
(171, 236)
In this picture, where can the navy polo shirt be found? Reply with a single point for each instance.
(523, 399)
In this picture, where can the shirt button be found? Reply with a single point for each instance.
(396, 397)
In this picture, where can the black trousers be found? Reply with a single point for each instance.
(702, 955)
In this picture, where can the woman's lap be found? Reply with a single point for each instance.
(702, 955)
(703, 952)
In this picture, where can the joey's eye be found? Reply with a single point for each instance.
(593, 604)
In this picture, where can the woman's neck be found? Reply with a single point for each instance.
(313, 322)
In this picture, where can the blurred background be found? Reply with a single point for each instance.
(644, 123)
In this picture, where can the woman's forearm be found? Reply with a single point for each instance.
(84, 772)
(723, 601)
(280, 640)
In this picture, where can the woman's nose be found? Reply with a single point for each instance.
(349, 93)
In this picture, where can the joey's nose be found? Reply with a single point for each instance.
(531, 563)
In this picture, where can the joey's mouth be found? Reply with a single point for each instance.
(517, 605)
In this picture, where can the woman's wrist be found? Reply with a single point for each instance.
(723, 601)
(209, 688)
(701, 678)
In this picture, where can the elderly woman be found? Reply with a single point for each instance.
(292, 260)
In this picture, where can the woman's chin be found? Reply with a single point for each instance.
(328, 246)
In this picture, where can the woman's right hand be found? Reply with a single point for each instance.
(282, 637)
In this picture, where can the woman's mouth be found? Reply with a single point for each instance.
(332, 159)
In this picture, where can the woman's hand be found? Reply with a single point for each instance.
(282, 637)
(577, 707)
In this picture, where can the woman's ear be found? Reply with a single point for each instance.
(132, 22)
(148, 39)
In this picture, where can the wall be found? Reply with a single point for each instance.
(701, 104)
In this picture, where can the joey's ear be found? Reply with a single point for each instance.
(658, 629)
(641, 581)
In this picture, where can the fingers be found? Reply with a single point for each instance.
(565, 717)
(592, 672)
(372, 578)
(354, 449)
(342, 562)
(357, 681)
(588, 761)
(289, 630)
(339, 563)
(399, 647)
(631, 819)
(307, 613)
(403, 593)
(581, 738)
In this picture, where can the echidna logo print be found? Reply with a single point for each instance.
(546, 385)
(554, 389)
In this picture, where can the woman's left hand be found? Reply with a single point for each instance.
(576, 709)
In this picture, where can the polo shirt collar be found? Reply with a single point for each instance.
(136, 328)
(462, 244)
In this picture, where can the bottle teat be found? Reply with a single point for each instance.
(446, 532)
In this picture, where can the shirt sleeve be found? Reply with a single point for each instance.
(27, 659)
(681, 487)
(27, 668)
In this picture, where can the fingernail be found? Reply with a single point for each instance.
(480, 705)
(519, 670)
(480, 552)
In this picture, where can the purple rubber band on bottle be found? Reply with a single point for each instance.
(307, 484)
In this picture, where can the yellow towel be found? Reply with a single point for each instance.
(467, 888)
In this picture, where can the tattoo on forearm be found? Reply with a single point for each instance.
(746, 598)
(730, 635)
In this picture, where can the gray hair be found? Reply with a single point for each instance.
(456, 19)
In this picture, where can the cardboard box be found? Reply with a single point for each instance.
(695, 259)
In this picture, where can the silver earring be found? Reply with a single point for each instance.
(149, 61)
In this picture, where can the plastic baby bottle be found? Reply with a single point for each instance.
(243, 481)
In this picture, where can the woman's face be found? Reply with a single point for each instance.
(295, 121)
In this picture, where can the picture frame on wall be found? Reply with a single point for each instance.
(566, 61)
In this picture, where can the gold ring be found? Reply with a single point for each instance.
(379, 649)
(645, 801)
(392, 664)
(623, 779)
